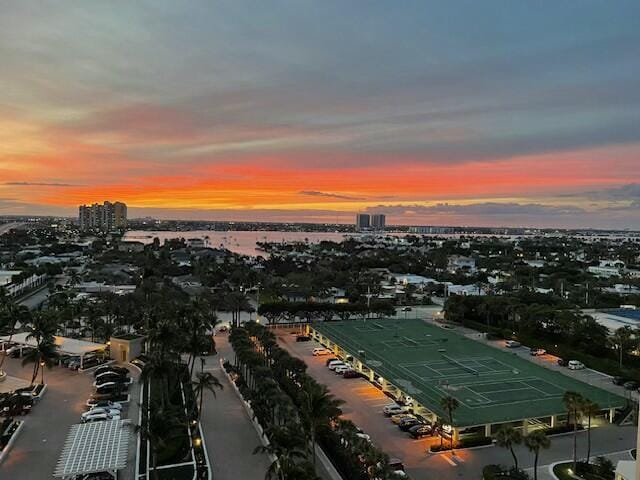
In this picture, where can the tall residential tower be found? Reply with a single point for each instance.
(106, 217)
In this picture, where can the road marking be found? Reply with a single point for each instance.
(448, 460)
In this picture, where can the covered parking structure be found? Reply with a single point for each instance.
(69, 346)
(410, 358)
(94, 448)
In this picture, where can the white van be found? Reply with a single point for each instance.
(575, 365)
(335, 364)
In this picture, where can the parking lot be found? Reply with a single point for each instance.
(363, 405)
(38, 446)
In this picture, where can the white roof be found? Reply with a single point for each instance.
(66, 345)
(94, 447)
(626, 469)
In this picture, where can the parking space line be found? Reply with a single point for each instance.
(446, 458)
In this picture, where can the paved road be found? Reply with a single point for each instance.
(229, 435)
(364, 403)
(36, 451)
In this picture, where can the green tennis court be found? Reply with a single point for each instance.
(429, 363)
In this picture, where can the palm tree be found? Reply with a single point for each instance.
(162, 426)
(508, 437)
(285, 445)
(205, 381)
(622, 339)
(319, 408)
(44, 355)
(589, 408)
(449, 404)
(573, 403)
(11, 314)
(534, 442)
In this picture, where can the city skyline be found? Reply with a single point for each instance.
(492, 114)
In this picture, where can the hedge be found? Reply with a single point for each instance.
(476, 441)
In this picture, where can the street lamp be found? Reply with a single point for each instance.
(42, 373)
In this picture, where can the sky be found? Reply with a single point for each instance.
(452, 112)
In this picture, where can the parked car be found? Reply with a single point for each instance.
(110, 369)
(630, 385)
(398, 417)
(563, 363)
(406, 309)
(120, 397)
(351, 373)
(619, 380)
(99, 417)
(340, 369)
(394, 409)
(407, 423)
(320, 351)
(123, 381)
(111, 387)
(512, 344)
(106, 404)
(97, 410)
(421, 430)
(112, 376)
(303, 338)
(536, 352)
(575, 365)
(397, 467)
(335, 364)
(329, 360)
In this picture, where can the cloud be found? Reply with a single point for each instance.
(313, 193)
(479, 209)
(40, 184)
(629, 192)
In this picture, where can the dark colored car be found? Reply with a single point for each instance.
(562, 362)
(111, 388)
(630, 385)
(619, 380)
(114, 397)
(408, 423)
(351, 374)
(111, 369)
(303, 338)
(419, 431)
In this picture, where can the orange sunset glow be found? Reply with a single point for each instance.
(92, 109)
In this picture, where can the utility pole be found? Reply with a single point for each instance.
(368, 303)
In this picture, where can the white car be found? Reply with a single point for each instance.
(394, 409)
(99, 417)
(114, 412)
(320, 351)
(336, 363)
(575, 365)
(105, 404)
(340, 369)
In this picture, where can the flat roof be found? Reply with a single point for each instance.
(67, 345)
(94, 447)
(429, 363)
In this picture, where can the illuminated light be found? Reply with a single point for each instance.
(197, 441)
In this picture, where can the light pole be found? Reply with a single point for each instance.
(42, 373)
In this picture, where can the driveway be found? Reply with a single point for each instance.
(36, 451)
(363, 405)
(229, 434)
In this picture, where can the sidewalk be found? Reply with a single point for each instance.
(229, 435)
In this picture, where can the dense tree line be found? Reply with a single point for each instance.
(297, 412)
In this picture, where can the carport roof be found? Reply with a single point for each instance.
(94, 447)
(71, 346)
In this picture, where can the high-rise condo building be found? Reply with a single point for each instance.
(106, 217)
(363, 221)
(378, 221)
